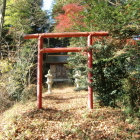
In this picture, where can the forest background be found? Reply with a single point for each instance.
(116, 65)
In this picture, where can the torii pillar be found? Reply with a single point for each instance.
(90, 75)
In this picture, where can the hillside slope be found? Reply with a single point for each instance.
(65, 117)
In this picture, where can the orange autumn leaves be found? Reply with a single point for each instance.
(70, 18)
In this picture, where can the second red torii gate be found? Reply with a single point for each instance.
(42, 50)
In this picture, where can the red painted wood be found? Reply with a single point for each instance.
(57, 50)
(90, 89)
(69, 34)
(51, 50)
(39, 73)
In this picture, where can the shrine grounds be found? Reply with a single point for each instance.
(65, 116)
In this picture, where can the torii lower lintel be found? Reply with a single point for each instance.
(42, 50)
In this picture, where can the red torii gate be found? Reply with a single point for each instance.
(42, 50)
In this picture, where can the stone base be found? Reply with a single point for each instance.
(49, 92)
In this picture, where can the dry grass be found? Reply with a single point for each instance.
(65, 117)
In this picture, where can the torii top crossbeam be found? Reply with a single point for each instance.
(42, 50)
(67, 34)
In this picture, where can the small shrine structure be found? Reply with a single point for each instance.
(41, 50)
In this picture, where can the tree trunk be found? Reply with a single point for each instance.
(2, 14)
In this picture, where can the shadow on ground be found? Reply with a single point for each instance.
(49, 114)
(50, 97)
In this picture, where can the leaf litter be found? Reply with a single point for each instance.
(65, 116)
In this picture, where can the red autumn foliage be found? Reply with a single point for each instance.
(70, 18)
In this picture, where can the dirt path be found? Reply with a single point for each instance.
(65, 117)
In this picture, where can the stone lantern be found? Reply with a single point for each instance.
(49, 81)
(77, 78)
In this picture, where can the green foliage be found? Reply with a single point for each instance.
(107, 74)
(21, 73)
(78, 62)
(119, 18)
(22, 17)
(25, 16)
(132, 84)
(115, 61)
